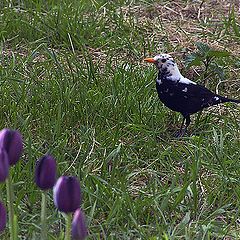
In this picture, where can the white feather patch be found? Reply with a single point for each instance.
(186, 81)
(159, 81)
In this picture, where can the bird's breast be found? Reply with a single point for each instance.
(166, 92)
(171, 96)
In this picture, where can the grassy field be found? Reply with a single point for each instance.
(73, 81)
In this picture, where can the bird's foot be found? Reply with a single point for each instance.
(180, 133)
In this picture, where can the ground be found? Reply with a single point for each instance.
(74, 82)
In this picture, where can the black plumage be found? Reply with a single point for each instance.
(179, 93)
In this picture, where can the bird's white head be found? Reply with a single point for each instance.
(166, 65)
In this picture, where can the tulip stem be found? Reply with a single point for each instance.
(68, 219)
(43, 216)
(12, 229)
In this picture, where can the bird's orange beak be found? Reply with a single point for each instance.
(150, 60)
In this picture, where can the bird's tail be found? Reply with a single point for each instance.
(223, 99)
(217, 99)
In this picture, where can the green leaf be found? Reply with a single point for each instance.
(186, 219)
(235, 25)
(196, 62)
(218, 70)
(214, 53)
(181, 195)
(114, 153)
(193, 60)
(165, 236)
(202, 47)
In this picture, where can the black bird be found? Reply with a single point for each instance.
(181, 94)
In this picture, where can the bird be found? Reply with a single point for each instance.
(179, 93)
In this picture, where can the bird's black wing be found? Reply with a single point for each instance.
(187, 98)
(197, 97)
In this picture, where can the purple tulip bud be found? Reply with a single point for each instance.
(79, 228)
(67, 194)
(4, 165)
(3, 217)
(11, 141)
(45, 172)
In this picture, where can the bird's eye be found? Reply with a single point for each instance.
(163, 60)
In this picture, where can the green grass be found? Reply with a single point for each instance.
(73, 81)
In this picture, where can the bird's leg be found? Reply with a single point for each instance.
(180, 133)
(182, 124)
(188, 120)
(183, 131)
